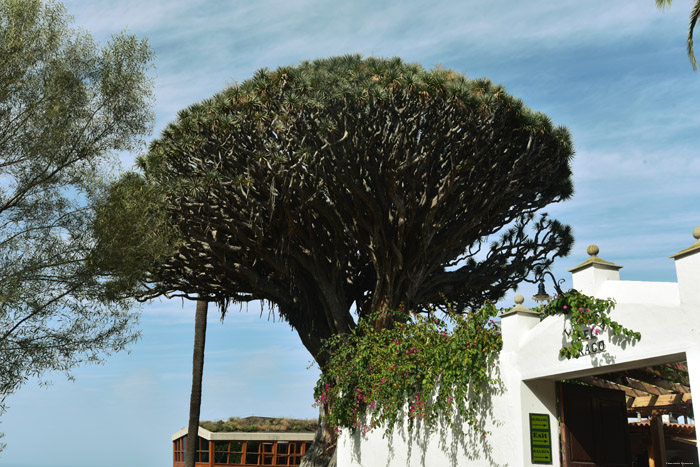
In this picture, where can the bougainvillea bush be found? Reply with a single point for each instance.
(588, 316)
(424, 367)
(434, 369)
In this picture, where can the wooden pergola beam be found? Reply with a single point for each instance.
(674, 372)
(650, 390)
(680, 366)
(601, 383)
(657, 450)
(623, 380)
(658, 402)
(654, 379)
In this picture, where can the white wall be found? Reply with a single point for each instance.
(419, 448)
(667, 316)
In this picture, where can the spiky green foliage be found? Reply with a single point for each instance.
(350, 182)
(366, 182)
(65, 106)
(694, 16)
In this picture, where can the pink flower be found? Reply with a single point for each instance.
(566, 307)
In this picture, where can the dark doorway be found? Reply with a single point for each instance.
(594, 426)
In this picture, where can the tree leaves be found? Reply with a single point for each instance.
(65, 107)
(694, 15)
(422, 369)
(348, 183)
(588, 317)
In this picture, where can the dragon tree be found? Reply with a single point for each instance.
(343, 186)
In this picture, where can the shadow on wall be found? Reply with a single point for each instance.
(595, 348)
(472, 445)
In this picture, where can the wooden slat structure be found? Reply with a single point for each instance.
(651, 391)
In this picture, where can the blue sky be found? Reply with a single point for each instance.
(615, 73)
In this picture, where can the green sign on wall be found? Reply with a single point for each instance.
(540, 439)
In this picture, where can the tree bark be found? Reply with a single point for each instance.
(323, 450)
(200, 331)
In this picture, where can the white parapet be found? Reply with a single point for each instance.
(688, 271)
(517, 323)
(590, 275)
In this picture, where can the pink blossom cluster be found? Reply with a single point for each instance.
(417, 408)
(323, 398)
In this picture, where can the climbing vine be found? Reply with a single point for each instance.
(423, 368)
(435, 369)
(588, 317)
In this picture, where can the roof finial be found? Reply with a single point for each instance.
(594, 259)
(519, 308)
(694, 248)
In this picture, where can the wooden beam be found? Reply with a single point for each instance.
(646, 387)
(656, 380)
(680, 366)
(622, 380)
(657, 450)
(657, 402)
(675, 372)
(601, 383)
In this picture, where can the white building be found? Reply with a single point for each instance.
(616, 417)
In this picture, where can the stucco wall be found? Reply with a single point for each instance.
(420, 448)
(506, 419)
(529, 365)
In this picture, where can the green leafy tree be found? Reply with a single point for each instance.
(344, 186)
(66, 107)
(694, 15)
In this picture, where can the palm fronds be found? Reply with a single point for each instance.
(694, 15)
